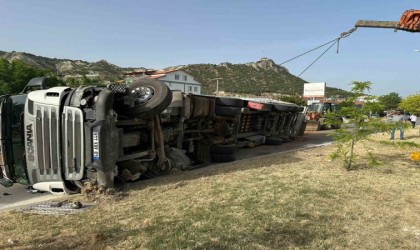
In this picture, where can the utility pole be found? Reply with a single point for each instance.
(217, 83)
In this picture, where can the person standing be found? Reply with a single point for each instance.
(413, 120)
(398, 118)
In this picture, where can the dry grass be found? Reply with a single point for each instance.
(294, 200)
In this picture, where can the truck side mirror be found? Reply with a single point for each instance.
(35, 84)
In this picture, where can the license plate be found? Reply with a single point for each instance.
(95, 140)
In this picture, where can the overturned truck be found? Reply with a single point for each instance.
(56, 139)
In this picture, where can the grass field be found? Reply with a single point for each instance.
(299, 200)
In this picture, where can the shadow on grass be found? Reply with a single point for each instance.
(403, 159)
(216, 169)
(180, 235)
(80, 240)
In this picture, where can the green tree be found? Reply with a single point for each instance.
(347, 137)
(16, 74)
(5, 76)
(22, 73)
(293, 99)
(54, 80)
(390, 101)
(411, 104)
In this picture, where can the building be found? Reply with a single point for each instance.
(174, 79)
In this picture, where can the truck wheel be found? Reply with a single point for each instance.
(273, 141)
(151, 97)
(227, 111)
(223, 149)
(223, 158)
(232, 102)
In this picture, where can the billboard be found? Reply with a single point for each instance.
(314, 89)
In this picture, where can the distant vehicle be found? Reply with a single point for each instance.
(315, 116)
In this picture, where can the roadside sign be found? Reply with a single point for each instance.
(314, 89)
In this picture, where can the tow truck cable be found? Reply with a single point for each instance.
(334, 41)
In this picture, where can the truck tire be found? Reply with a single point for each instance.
(227, 111)
(282, 107)
(223, 149)
(231, 102)
(152, 97)
(223, 158)
(273, 141)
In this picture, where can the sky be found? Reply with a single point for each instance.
(162, 33)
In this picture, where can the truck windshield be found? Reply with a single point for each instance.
(12, 141)
(315, 107)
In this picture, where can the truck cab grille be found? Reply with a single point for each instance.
(57, 150)
(73, 143)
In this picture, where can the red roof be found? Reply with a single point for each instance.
(157, 76)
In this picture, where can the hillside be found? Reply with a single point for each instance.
(263, 76)
(259, 77)
(70, 68)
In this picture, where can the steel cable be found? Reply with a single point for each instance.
(319, 57)
(335, 41)
(308, 51)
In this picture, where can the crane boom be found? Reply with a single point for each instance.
(409, 21)
(377, 24)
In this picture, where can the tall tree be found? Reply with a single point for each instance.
(390, 101)
(411, 104)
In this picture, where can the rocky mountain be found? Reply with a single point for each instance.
(70, 68)
(256, 77)
(262, 76)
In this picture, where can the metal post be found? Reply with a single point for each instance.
(217, 83)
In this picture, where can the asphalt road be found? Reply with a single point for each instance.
(17, 195)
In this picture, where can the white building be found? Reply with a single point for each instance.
(174, 79)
